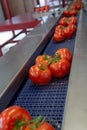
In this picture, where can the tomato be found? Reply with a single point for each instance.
(73, 12)
(72, 28)
(64, 53)
(59, 27)
(66, 13)
(79, 6)
(42, 9)
(59, 35)
(70, 31)
(47, 8)
(43, 59)
(69, 34)
(70, 12)
(40, 74)
(74, 6)
(63, 21)
(45, 126)
(9, 116)
(72, 20)
(42, 126)
(60, 68)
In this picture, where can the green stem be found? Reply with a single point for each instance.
(57, 57)
(20, 123)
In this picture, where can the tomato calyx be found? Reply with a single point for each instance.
(46, 57)
(42, 67)
(33, 123)
(18, 124)
(56, 58)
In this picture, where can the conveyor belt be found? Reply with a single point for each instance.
(47, 100)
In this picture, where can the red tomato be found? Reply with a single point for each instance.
(69, 34)
(72, 28)
(59, 36)
(79, 5)
(73, 12)
(72, 20)
(46, 126)
(47, 8)
(63, 21)
(43, 59)
(42, 126)
(70, 31)
(64, 53)
(60, 68)
(9, 116)
(42, 9)
(59, 27)
(66, 13)
(40, 74)
(74, 6)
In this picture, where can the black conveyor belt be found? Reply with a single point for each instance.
(47, 100)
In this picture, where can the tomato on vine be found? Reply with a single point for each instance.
(10, 116)
(44, 59)
(64, 53)
(59, 35)
(60, 67)
(40, 74)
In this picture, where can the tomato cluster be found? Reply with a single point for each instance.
(48, 66)
(65, 21)
(74, 8)
(42, 9)
(18, 118)
(66, 27)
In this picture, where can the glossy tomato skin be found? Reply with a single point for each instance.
(65, 53)
(66, 13)
(9, 116)
(60, 68)
(70, 31)
(42, 9)
(47, 8)
(59, 27)
(40, 60)
(43, 126)
(63, 21)
(72, 20)
(46, 126)
(43, 59)
(59, 36)
(74, 6)
(73, 28)
(40, 76)
(79, 5)
(73, 12)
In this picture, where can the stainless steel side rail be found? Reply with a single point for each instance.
(75, 115)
